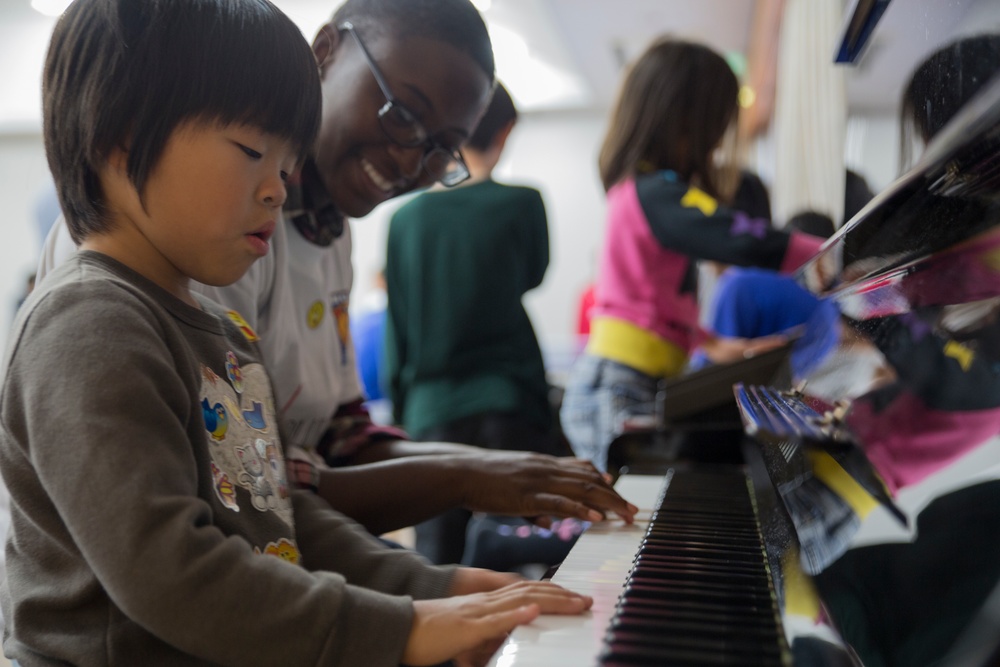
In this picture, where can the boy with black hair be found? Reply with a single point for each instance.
(152, 520)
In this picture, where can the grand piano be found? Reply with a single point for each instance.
(754, 543)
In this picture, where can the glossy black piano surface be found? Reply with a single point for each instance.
(903, 396)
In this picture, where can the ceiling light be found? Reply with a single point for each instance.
(483, 5)
(50, 7)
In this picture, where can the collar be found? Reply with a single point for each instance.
(310, 208)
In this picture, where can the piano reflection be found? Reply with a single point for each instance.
(754, 546)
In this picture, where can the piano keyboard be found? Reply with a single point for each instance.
(685, 585)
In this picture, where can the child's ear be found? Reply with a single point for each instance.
(325, 45)
(117, 158)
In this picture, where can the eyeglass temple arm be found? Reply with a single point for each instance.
(383, 86)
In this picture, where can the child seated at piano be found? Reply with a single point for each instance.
(677, 108)
(152, 519)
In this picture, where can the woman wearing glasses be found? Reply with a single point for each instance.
(404, 83)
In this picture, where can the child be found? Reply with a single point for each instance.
(658, 165)
(404, 83)
(164, 532)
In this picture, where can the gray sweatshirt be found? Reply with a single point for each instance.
(151, 519)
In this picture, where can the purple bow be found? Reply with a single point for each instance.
(744, 224)
(918, 327)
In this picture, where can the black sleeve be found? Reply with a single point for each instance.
(689, 221)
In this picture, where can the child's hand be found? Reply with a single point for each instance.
(470, 580)
(724, 350)
(469, 624)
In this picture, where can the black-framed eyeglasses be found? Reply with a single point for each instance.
(401, 126)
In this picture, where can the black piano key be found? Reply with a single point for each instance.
(695, 562)
(747, 646)
(723, 598)
(699, 592)
(626, 655)
(656, 618)
(651, 577)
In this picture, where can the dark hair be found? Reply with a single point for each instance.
(857, 194)
(127, 73)
(677, 102)
(500, 113)
(752, 196)
(942, 84)
(812, 222)
(454, 22)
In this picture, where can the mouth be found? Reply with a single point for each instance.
(380, 181)
(260, 238)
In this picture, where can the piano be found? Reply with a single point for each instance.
(752, 546)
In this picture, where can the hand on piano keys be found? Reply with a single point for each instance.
(473, 626)
(538, 487)
(597, 566)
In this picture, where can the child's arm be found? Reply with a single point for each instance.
(329, 541)
(115, 538)
(690, 222)
(443, 627)
(507, 483)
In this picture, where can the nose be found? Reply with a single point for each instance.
(272, 192)
(409, 160)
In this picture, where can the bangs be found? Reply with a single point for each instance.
(253, 74)
(239, 63)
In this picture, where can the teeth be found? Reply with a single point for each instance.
(380, 182)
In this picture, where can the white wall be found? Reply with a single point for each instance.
(23, 174)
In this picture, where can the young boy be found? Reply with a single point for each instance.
(152, 522)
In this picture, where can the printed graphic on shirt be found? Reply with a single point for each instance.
(339, 307)
(744, 224)
(314, 316)
(960, 353)
(224, 489)
(254, 417)
(699, 199)
(283, 548)
(216, 419)
(245, 328)
(234, 372)
(243, 440)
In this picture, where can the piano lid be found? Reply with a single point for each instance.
(950, 195)
(915, 277)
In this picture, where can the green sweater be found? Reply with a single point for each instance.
(458, 340)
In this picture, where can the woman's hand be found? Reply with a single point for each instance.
(538, 486)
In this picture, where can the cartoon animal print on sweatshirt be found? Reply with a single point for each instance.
(261, 492)
(246, 451)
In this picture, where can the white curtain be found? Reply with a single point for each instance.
(810, 112)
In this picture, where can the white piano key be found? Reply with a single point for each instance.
(597, 566)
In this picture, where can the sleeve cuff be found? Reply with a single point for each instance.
(801, 248)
